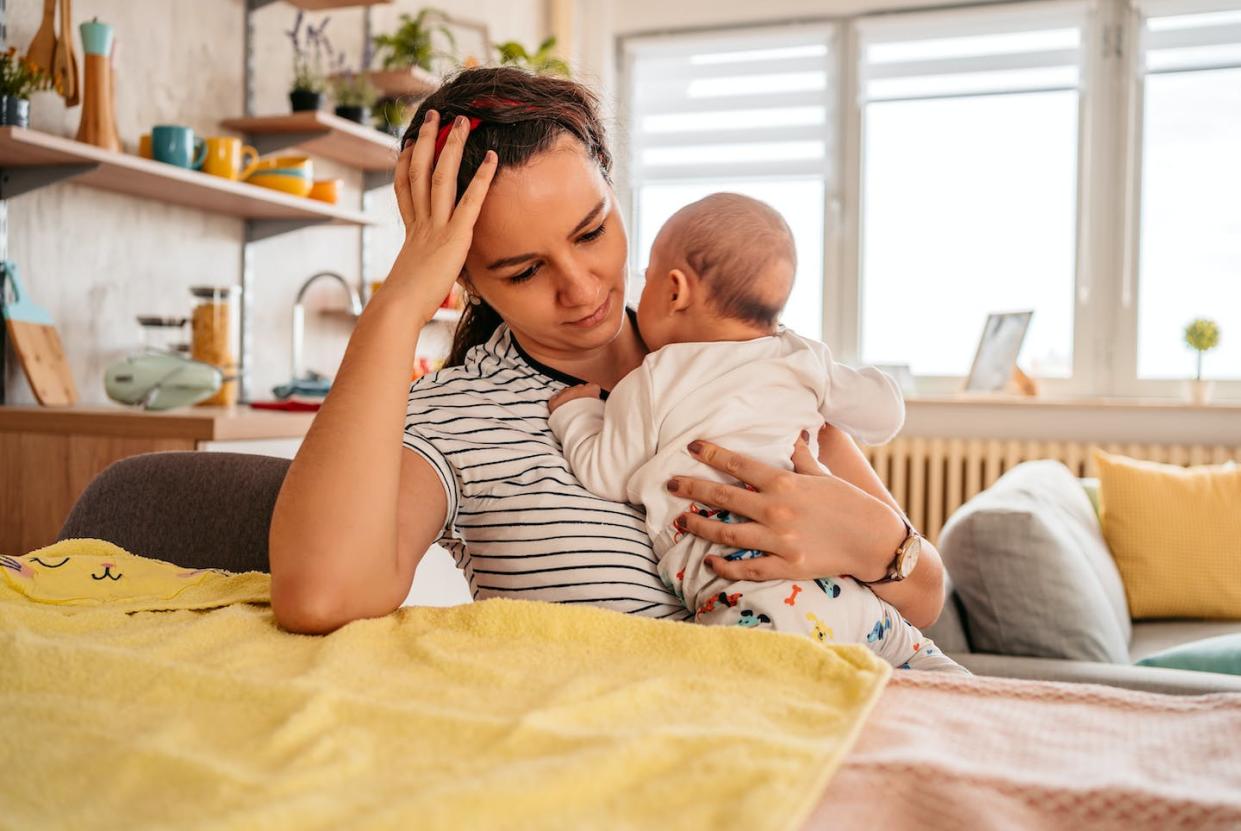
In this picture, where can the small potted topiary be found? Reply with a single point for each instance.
(309, 79)
(18, 79)
(1201, 335)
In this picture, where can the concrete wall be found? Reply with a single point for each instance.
(96, 259)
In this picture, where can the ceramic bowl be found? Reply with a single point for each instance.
(326, 190)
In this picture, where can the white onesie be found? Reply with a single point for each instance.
(753, 397)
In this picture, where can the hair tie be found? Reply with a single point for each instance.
(477, 104)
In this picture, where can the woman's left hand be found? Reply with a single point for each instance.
(810, 523)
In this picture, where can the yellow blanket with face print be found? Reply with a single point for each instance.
(136, 694)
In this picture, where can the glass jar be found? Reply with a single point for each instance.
(215, 327)
(163, 334)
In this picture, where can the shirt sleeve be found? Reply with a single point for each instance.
(865, 402)
(420, 444)
(606, 442)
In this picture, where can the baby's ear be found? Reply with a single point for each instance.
(679, 289)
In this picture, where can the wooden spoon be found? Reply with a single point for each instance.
(72, 88)
(42, 50)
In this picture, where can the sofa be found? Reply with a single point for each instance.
(212, 510)
(1033, 591)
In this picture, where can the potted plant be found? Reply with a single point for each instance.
(391, 116)
(413, 43)
(308, 76)
(354, 95)
(542, 60)
(1201, 335)
(18, 79)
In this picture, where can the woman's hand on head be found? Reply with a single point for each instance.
(811, 523)
(438, 227)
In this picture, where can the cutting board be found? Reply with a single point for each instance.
(37, 343)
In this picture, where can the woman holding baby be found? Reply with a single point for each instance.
(503, 184)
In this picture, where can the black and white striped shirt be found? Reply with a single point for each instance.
(519, 523)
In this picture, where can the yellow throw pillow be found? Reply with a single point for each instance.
(1175, 534)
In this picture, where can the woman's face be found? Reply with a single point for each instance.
(549, 252)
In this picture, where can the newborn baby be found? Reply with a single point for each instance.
(721, 368)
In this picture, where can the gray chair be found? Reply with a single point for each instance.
(198, 510)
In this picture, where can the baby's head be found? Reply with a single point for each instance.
(720, 269)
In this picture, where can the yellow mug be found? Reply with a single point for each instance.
(144, 145)
(229, 158)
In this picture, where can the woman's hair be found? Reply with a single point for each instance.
(522, 114)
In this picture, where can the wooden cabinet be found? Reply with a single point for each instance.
(49, 455)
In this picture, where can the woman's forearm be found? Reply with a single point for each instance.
(333, 539)
(920, 597)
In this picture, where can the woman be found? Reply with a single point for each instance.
(503, 184)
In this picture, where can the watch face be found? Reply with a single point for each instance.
(907, 563)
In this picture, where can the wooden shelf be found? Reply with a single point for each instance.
(324, 5)
(413, 82)
(321, 134)
(31, 159)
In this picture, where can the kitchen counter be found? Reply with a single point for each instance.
(49, 455)
(198, 424)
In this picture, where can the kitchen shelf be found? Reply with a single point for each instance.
(321, 5)
(30, 159)
(413, 82)
(321, 134)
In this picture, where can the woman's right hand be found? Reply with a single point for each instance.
(438, 228)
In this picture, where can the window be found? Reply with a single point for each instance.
(747, 113)
(1080, 158)
(1190, 237)
(969, 184)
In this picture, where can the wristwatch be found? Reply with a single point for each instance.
(904, 560)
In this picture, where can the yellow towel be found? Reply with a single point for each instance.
(198, 712)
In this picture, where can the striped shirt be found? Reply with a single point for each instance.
(519, 524)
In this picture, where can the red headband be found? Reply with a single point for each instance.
(478, 103)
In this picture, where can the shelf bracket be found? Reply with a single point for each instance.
(255, 5)
(275, 142)
(376, 179)
(261, 229)
(14, 181)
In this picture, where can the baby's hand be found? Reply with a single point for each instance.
(571, 394)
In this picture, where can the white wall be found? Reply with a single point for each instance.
(96, 259)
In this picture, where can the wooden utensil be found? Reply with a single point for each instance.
(37, 344)
(72, 87)
(42, 50)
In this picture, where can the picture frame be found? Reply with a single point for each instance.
(995, 359)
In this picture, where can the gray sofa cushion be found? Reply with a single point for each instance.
(1032, 571)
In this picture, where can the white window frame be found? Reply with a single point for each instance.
(1130, 20)
(1105, 346)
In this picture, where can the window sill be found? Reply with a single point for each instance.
(1049, 418)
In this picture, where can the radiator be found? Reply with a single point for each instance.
(933, 477)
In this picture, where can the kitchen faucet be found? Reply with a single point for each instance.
(299, 315)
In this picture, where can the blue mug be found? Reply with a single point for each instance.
(177, 146)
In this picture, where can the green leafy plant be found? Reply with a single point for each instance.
(1201, 335)
(413, 43)
(310, 49)
(353, 89)
(20, 77)
(392, 114)
(542, 60)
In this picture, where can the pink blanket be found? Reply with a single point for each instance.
(954, 753)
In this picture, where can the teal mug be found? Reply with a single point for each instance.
(177, 146)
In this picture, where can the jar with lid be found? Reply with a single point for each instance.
(163, 334)
(215, 339)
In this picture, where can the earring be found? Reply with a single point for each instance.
(474, 299)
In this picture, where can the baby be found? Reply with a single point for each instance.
(721, 368)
